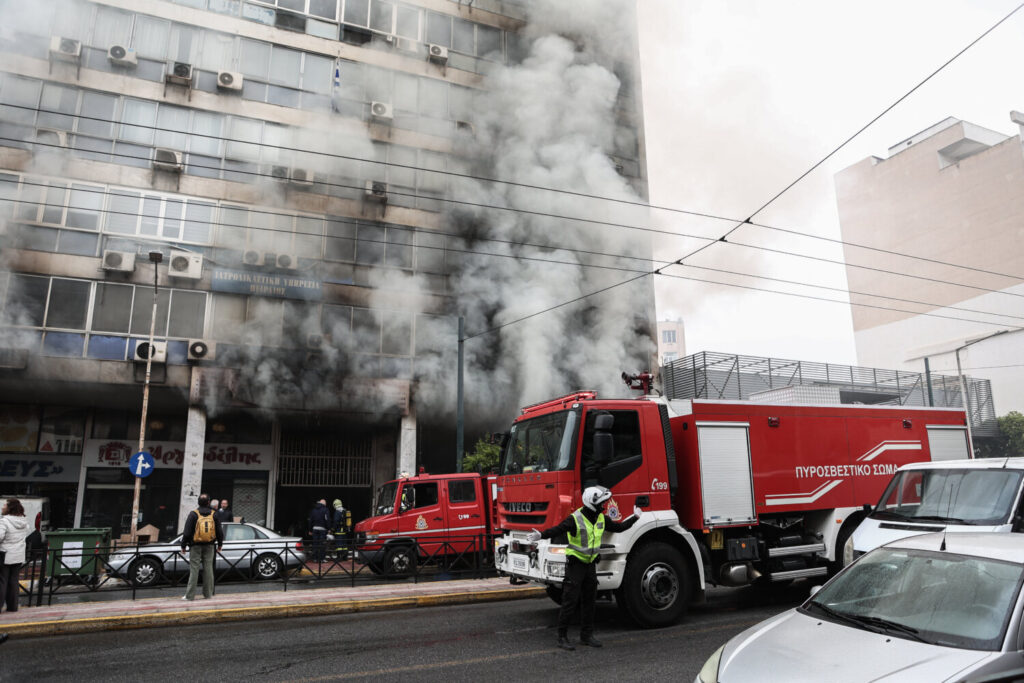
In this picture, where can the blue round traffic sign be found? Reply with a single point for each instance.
(141, 464)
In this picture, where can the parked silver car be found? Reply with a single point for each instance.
(249, 550)
(938, 607)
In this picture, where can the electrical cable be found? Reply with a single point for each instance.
(468, 176)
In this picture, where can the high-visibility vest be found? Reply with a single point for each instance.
(585, 544)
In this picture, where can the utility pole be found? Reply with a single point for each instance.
(156, 257)
(459, 410)
(963, 384)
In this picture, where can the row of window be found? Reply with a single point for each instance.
(472, 44)
(105, 320)
(85, 219)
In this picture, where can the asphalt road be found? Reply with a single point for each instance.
(511, 641)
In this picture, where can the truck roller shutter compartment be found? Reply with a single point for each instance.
(948, 443)
(727, 487)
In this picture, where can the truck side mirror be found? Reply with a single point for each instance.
(604, 444)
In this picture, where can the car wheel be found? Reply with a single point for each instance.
(400, 561)
(267, 566)
(656, 585)
(555, 593)
(144, 572)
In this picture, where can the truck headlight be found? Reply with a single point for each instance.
(709, 672)
(555, 569)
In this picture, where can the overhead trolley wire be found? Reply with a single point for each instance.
(512, 183)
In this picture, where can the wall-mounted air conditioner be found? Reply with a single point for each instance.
(253, 257)
(185, 264)
(51, 137)
(229, 80)
(12, 358)
(167, 160)
(465, 126)
(279, 172)
(119, 55)
(314, 341)
(200, 349)
(179, 73)
(437, 53)
(287, 261)
(120, 261)
(382, 111)
(143, 350)
(65, 49)
(376, 191)
(301, 176)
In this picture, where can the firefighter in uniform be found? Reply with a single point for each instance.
(584, 528)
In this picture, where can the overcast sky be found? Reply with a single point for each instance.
(741, 97)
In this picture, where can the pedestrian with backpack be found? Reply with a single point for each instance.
(203, 538)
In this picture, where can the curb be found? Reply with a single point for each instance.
(190, 617)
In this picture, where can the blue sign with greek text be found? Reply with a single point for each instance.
(276, 285)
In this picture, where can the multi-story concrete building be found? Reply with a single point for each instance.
(315, 177)
(671, 341)
(952, 195)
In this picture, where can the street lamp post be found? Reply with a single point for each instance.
(155, 257)
(963, 384)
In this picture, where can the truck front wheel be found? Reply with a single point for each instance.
(656, 586)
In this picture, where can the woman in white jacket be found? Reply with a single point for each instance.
(14, 529)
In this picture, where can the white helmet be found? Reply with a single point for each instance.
(596, 496)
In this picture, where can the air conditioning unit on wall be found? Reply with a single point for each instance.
(376, 191)
(65, 49)
(230, 80)
(287, 261)
(119, 55)
(382, 111)
(143, 349)
(437, 54)
(252, 257)
(179, 73)
(200, 349)
(167, 160)
(301, 176)
(185, 264)
(119, 261)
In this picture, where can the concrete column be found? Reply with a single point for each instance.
(195, 444)
(407, 444)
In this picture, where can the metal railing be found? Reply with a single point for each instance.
(48, 572)
(722, 376)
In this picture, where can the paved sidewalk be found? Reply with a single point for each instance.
(172, 610)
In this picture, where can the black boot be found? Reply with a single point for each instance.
(565, 643)
(3, 638)
(590, 641)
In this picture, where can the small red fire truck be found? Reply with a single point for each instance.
(428, 516)
(731, 492)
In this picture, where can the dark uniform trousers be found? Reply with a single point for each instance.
(579, 589)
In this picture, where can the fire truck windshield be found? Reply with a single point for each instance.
(542, 444)
(386, 499)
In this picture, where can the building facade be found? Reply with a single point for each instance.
(671, 341)
(952, 195)
(292, 166)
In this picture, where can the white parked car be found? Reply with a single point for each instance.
(249, 550)
(937, 607)
(952, 495)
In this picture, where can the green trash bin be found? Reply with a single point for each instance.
(75, 551)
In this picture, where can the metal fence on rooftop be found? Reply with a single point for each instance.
(721, 376)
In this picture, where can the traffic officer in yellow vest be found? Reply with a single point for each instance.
(585, 528)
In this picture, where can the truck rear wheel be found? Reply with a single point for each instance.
(656, 586)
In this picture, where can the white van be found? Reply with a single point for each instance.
(948, 495)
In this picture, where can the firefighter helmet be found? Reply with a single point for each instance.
(596, 496)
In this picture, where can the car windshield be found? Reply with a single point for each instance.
(542, 444)
(955, 496)
(937, 597)
(386, 499)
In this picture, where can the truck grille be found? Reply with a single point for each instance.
(525, 507)
(525, 519)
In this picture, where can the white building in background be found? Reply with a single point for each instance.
(671, 340)
(954, 194)
(287, 159)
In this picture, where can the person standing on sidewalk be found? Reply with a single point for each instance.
(319, 522)
(203, 537)
(14, 529)
(224, 513)
(585, 528)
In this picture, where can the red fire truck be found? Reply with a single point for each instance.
(428, 516)
(731, 492)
